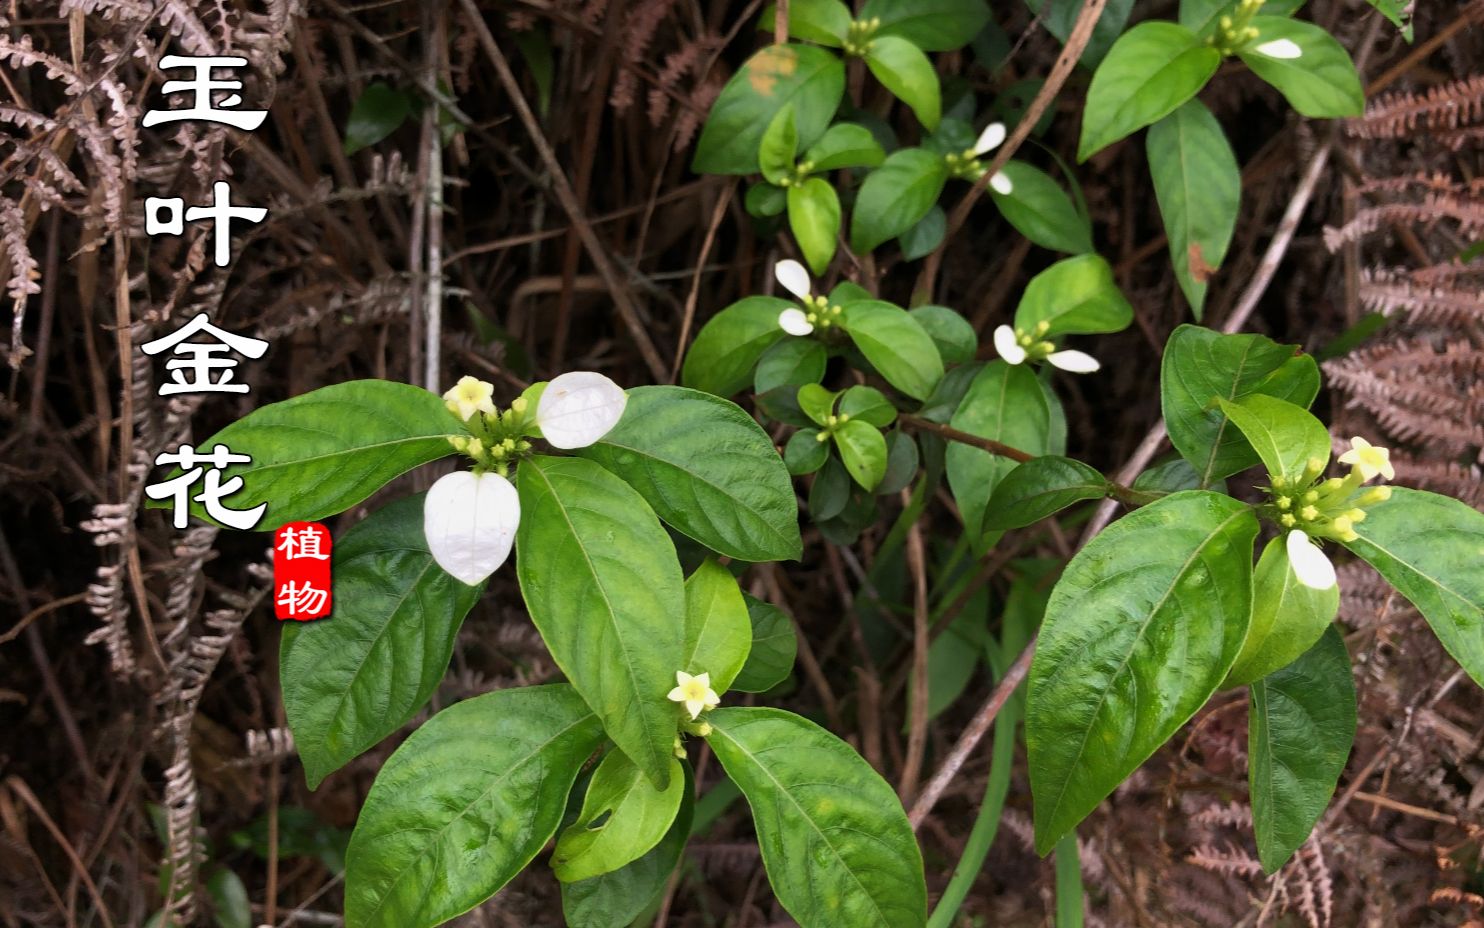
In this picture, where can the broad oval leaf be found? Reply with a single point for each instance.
(602, 583)
(812, 79)
(902, 68)
(845, 145)
(931, 25)
(869, 405)
(951, 332)
(707, 469)
(1041, 211)
(805, 453)
(1287, 617)
(1140, 630)
(718, 633)
(822, 21)
(1321, 83)
(895, 196)
(779, 146)
(464, 804)
(896, 345)
(1431, 548)
(814, 216)
(728, 346)
(1199, 189)
(794, 361)
(350, 682)
(1004, 402)
(1074, 296)
(836, 844)
(1039, 488)
(1287, 438)
(1150, 71)
(863, 452)
(623, 816)
(1300, 727)
(774, 647)
(920, 240)
(376, 114)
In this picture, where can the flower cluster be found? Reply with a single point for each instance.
(1309, 508)
(967, 165)
(696, 694)
(1235, 33)
(1018, 346)
(817, 311)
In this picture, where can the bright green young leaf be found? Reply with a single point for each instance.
(795, 361)
(721, 358)
(601, 581)
(1431, 548)
(1287, 617)
(894, 197)
(931, 25)
(1039, 488)
(623, 817)
(805, 453)
(862, 451)
(1199, 188)
(1300, 727)
(817, 402)
(899, 348)
(1074, 296)
(718, 633)
(1152, 69)
(376, 114)
(774, 648)
(905, 70)
(1005, 402)
(822, 21)
(845, 145)
(814, 216)
(1286, 437)
(922, 239)
(1041, 211)
(1140, 630)
(1061, 16)
(951, 332)
(779, 147)
(836, 844)
(1201, 366)
(1399, 12)
(1320, 83)
(321, 453)
(464, 804)
(812, 79)
(707, 469)
(868, 404)
(350, 682)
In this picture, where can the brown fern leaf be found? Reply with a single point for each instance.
(1387, 290)
(1398, 115)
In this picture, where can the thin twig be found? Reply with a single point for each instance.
(918, 714)
(722, 202)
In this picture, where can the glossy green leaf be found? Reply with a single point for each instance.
(464, 804)
(728, 346)
(1300, 727)
(1199, 188)
(1074, 296)
(376, 114)
(835, 841)
(805, 453)
(1399, 12)
(899, 348)
(794, 361)
(830, 492)
(822, 21)
(708, 470)
(817, 402)
(895, 196)
(601, 581)
(1431, 548)
(951, 332)
(814, 216)
(931, 25)
(779, 146)
(868, 404)
(349, 682)
(812, 79)
(1059, 17)
(1140, 630)
(862, 451)
(1039, 488)
(1287, 438)
(905, 70)
(718, 634)
(845, 145)
(1005, 402)
(1150, 71)
(1322, 83)
(763, 200)
(1041, 211)
(1287, 617)
(922, 239)
(774, 648)
(1201, 366)
(321, 453)
(902, 462)
(623, 817)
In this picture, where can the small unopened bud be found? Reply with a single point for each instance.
(1287, 520)
(704, 729)
(519, 406)
(1308, 513)
(1284, 504)
(1374, 495)
(459, 442)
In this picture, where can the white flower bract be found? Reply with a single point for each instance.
(1008, 345)
(792, 276)
(1310, 565)
(1076, 362)
(469, 521)
(695, 692)
(794, 322)
(1285, 49)
(1002, 185)
(579, 408)
(991, 138)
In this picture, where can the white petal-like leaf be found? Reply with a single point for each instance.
(469, 521)
(991, 138)
(1310, 565)
(578, 408)
(1007, 346)
(793, 277)
(1077, 362)
(794, 322)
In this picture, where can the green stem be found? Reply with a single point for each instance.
(1068, 883)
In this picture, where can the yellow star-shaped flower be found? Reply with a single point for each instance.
(1368, 460)
(695, 692)
(469, 396)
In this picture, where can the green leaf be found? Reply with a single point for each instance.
(805, 453)
(1300, 728)
(830, 492)
(763, 200)
(1287, 617)
(817, 402)
(1039, 488)
(1431, 548)
(376, 114)
(868, 404)
(602, 583)
(1041, 211)
(1203, 16)
(321, 453)
(721, 358)
(1152, 69)
(1286, 437)
(1005, 402)
(1322, 83)
(862, 451)
(1399, 12)
(229, 902)
(708, 470)
(894, 197)
(953, 657)
(618, 898)
(845, 145)
(822, 21)
(1061, 16)
(1199, 188)
(920, 240)
(931, 25)
(1074, 296)
(718, 633)
(836, 844)
(779, 146)
(1139, 632)
(902, 68)
(810, 78)
(795, 361)
(774, 648)
(1201, 366)
(623, 817)
(902, 461)
(899, 348)
(814, 216)
(955, 337)
(1171, 476)
(464, 804)
(350, 682)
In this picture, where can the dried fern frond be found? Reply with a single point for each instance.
(1422, 299)
(1399, 115)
